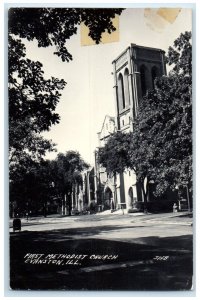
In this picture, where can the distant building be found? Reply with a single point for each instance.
(83, 194)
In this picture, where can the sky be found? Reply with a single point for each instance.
(88, 95)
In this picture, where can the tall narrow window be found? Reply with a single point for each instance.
(154, 74)
(121, 92)
(126, 88)
(143, 79)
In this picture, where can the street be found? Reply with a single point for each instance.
(103, 252)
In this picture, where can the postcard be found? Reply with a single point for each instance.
(100, 148)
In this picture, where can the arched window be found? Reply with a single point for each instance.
(121, 92)
(143, 75)
(154, 74)
(126, 88)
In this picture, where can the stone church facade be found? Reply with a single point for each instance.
(134, 72)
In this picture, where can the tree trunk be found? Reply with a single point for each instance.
(70, 203)
(44, 209)
(144, 194)
(115, 192)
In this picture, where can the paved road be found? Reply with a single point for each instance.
(103, 252)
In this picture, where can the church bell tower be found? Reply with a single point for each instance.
(134, 70)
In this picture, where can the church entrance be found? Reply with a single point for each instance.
(108, 198)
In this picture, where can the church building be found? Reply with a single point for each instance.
(134, 71)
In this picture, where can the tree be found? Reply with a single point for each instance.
(67, 174)
(32, 102)
(180, 55)
(54, 26)
(31, 188)
(32, 98)
(34, 183)
(119, 154)
(114, 155)
(162, 137)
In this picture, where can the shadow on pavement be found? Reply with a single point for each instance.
(138, 265)
(63, 234)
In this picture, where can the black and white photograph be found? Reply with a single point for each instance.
(100, 148)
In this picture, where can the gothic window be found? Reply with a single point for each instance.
(143, 74)
(154, 74)
(121, 97)
(126, 88)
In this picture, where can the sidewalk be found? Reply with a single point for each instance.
(41, 219)
(180, 218)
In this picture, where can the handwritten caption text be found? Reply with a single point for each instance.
(65, 259)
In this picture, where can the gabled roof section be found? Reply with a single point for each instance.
(106, 117)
